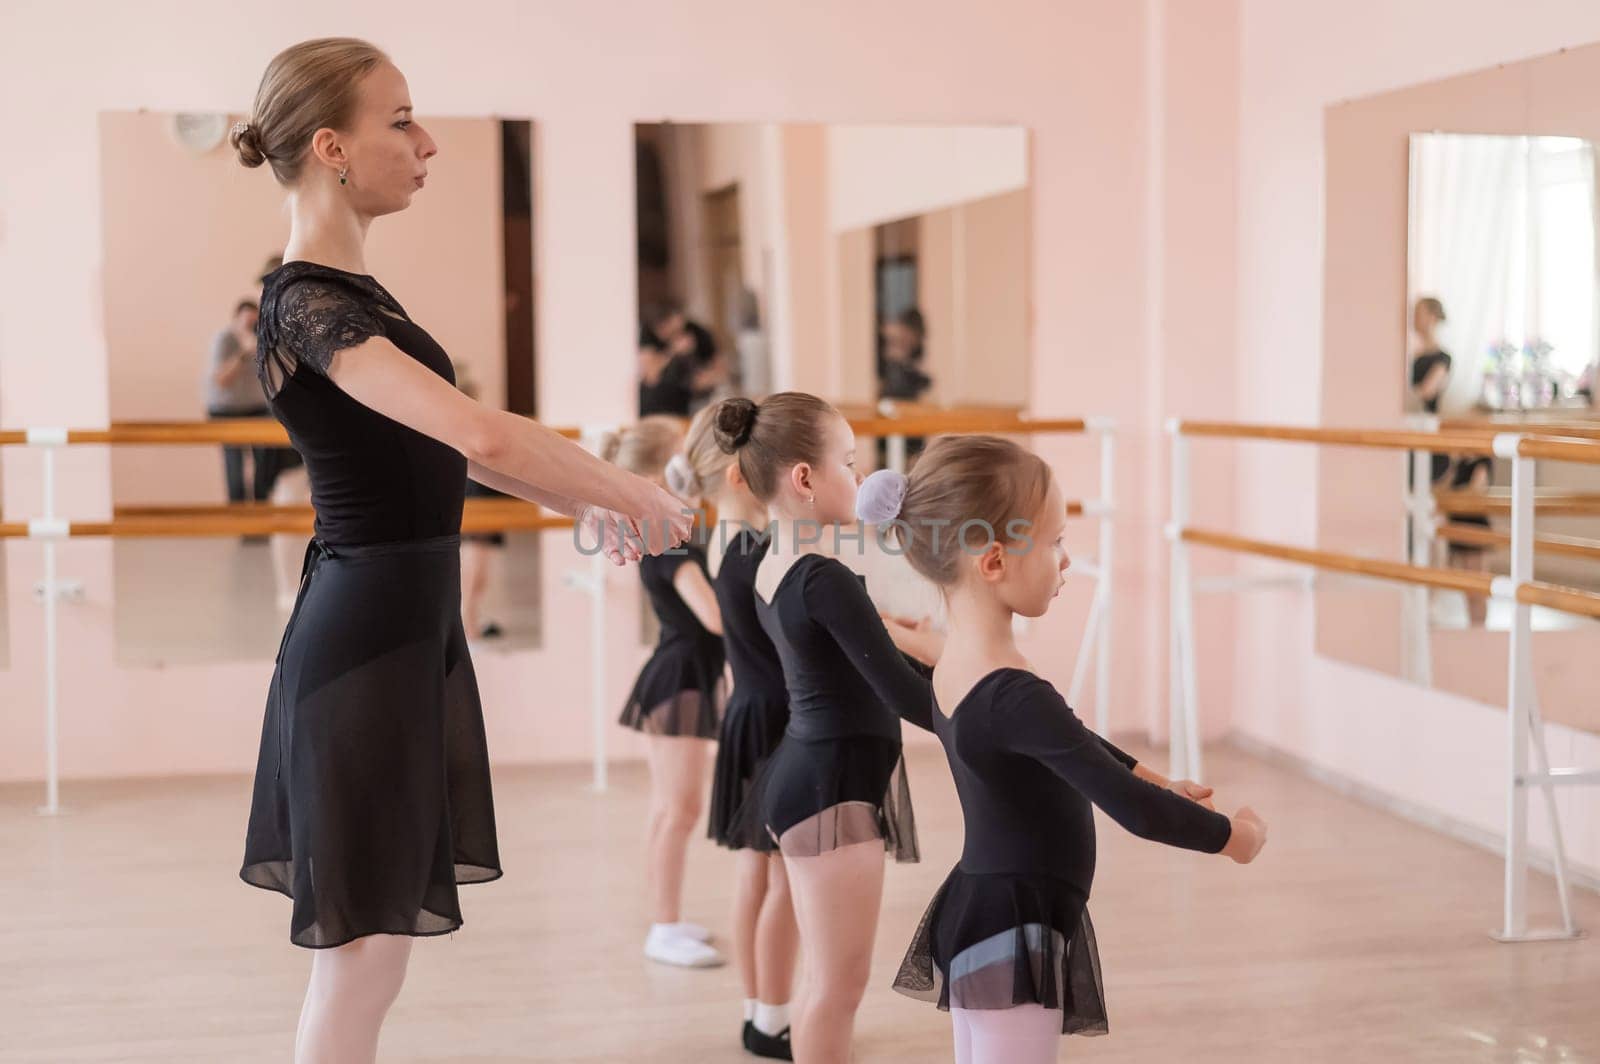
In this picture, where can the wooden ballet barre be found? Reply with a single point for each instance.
(1560, 448)
(1546, 503)
(246, 519)
(961, 423)
(260, 432)
(1556, 597)
(1544, 543)
(1575, 430)
(1399, 440)
(267, 432)
(1451, 579)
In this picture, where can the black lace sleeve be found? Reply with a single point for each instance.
(313, 318)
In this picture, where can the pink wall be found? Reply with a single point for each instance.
(586, 73)
(185, 237)
(877, 173)
(1415, 745)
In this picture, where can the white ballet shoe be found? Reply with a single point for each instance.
(667, 947)
(689, 930)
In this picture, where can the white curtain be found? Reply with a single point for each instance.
(1502, 232)
(1466, 196)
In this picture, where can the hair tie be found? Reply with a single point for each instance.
(749, 426)
(680, 475)
(241, 128)
(880, 497)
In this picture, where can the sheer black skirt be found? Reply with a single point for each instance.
(817, 795)
(751, 730)
(372, 798)
(995, 941)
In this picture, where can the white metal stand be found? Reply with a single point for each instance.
(1525, 728)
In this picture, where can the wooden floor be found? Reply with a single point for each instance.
(1357, 937)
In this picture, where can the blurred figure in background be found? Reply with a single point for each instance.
(755, 366)
(679, 364)
(900, 375)
(232, 391)
(478, 549)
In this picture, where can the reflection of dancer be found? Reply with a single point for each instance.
(372, 798)
(834, 794)
(676, 703)
(679, 364)
(478, 549)
(1471, 473)
(764, 931)
(232, 391)
(1007, 945)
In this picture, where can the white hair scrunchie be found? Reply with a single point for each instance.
(880, 496)
(680, 475)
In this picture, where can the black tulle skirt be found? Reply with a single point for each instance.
(992, 941)
(679, 692)
(751, 730)
(817, 795)
(372, 798)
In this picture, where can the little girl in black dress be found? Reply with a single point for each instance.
(1006, 944)
(676, 702)
(764, 932)
(833, 796)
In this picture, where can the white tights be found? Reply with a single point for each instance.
(1023, 1034)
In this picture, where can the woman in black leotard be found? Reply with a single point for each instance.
(834, 795)
(1007, 945)
(764, 932)
(372, 797)
(676, 703)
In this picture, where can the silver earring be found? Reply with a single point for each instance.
(343, 170)
(811, 501)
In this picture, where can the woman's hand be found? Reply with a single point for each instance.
(611, 530)
(660, 520)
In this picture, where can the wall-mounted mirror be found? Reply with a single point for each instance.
(187, 235)
(859, 262)
(1501, 274)
(882, 267)
(1497, 257)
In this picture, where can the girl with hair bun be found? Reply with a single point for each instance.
(765, 938)
(372, 798)
(834, 796)
(1006, 945)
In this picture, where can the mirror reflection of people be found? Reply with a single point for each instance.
(1471, 473)
(232, 391)
(478, 549)
(755, 371)
(372, 798)
(1430, 368)
(679, 364)
(901, 375)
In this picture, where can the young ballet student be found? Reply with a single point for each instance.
(372, 799)
(764, 930)
(833, 796)
(1006, 945)
(676, 702)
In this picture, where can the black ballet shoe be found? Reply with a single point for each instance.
(771, 1046)
(744, 1036)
